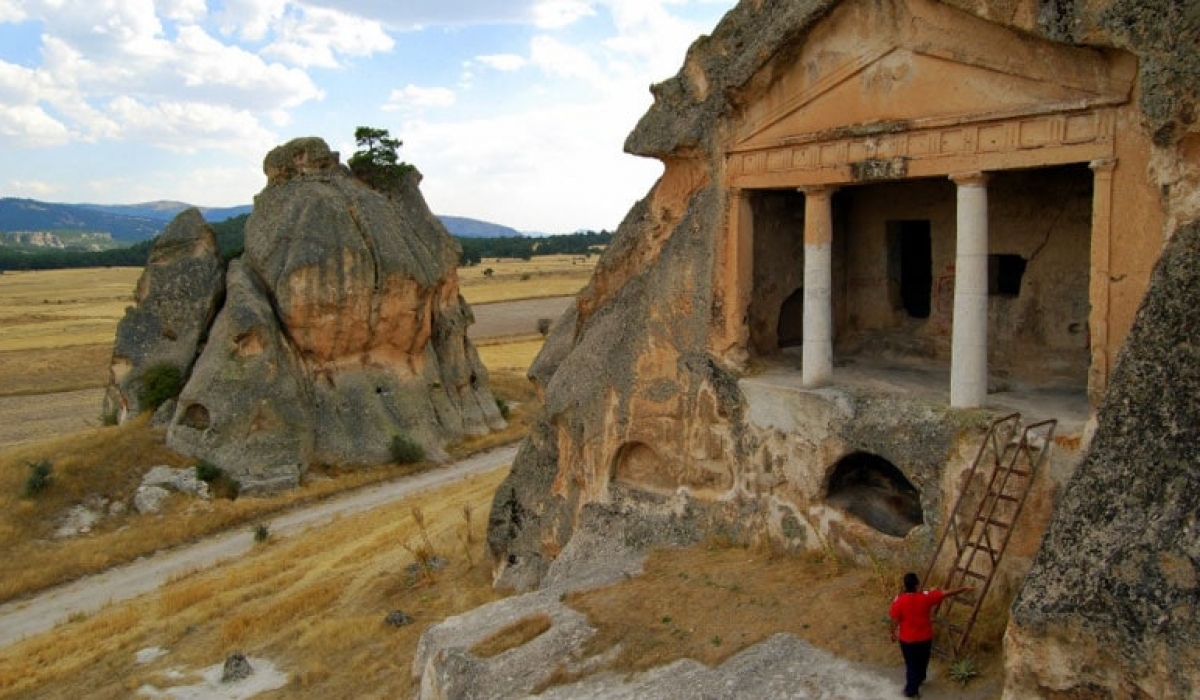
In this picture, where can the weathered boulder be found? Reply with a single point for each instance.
(182, 480)
(177, 296)
(246, 407)
(148, 500)
(1111, 608)
(342, 329)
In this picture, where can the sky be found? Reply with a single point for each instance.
(515, 111)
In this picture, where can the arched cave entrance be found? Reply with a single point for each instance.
(872, 489)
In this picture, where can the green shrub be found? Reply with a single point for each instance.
(160, 383)
(207, 471)
(39, 478)
(262, 532)
(502, 405)
(406, 451)
(109, 417)
(963, 669)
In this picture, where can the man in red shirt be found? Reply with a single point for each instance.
(912, 613)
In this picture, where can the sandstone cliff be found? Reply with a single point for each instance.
(639, 388)
(341, 329)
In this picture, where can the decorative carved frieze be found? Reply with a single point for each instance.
(1016, 142)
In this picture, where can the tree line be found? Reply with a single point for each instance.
(231, 236)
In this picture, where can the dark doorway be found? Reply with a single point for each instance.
(791, 320)
(1005, 273)
(876, 492)
(910, 265)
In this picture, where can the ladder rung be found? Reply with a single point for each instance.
(993, 521)
(1006, 497)
(972, 574)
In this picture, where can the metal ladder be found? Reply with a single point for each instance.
(981, 523)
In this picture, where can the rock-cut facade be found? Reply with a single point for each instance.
(883, 225)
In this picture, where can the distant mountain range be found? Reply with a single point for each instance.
(132, 223)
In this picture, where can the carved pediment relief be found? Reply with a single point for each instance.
(877, 66)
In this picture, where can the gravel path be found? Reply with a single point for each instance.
(44, 611)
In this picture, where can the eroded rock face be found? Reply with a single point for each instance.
(342, 329)
(1111, 608)
(641, 390)
(177, 296)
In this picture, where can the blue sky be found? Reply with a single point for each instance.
(515, 111)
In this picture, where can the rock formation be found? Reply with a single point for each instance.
(341, 329)
(1111, 608)
(177, 296)
(649, 392)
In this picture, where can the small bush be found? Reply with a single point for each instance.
(262, 532)
(963, 670)
(160, 383)
(406, 451)
(502, 406)
(39, 478)
(488, 272)
(207, 471)
(109, 418)
(543, 326)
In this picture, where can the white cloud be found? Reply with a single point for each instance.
(188, 127)
(314, 37)
(11, 12)
(30, 125)
(565, 61)
(33, 189)
(503, 61)
(250, 19)
(183, 10)
(556, 14)
(410, 14)
(415, 96)
(231, 74)
(552, 168)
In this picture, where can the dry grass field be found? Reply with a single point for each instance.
(45, 353)
(314, 604)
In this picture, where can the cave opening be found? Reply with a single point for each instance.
(876, 492)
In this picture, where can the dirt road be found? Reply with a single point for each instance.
(507, 318)
(20, 619)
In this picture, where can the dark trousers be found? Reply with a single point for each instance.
(916, 662)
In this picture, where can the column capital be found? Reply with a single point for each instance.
(1103, 165)
(817, 190)
(970, 179)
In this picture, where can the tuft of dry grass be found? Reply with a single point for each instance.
(512, 636)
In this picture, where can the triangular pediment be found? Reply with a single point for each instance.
(908, 63)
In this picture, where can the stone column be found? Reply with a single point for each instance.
(817, 359)
(735, 272)
(1100, 278)
(968, 353)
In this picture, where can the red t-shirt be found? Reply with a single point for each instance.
(912, 612)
